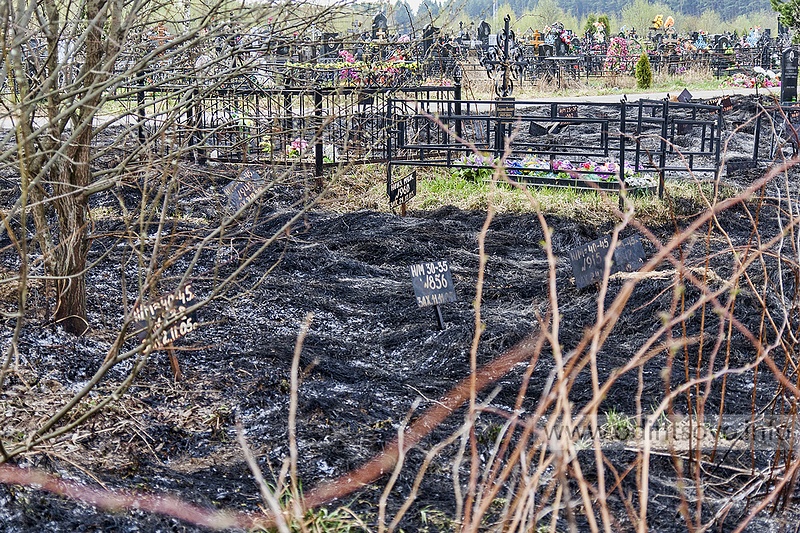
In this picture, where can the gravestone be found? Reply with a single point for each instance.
(380, 27)
(789, 62)
(685, 96)
(766, 56)
(484, 31)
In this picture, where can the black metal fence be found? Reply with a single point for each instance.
(242, 121)
(584, 145)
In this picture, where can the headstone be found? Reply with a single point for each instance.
(380, 26)
(402, 190)
(433, 283)
(685, 96)
(789, 62)
(766, 57)
(726, 104)
(155, 315)
(243, 190)
(588, 260)
(484, 30)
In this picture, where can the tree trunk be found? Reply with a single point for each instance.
(72, 179)
(72, 204)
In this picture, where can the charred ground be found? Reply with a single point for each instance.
(369, 354)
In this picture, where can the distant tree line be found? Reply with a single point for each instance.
(712, 16)
(727, 9)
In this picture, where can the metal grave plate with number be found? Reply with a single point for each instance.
(244, 189)
(588, 260)
(433, 283)
(629, 255)
(402, 190)
(168, 308)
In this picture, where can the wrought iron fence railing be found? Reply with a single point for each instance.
(585, 145)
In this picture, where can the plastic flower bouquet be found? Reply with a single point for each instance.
(297, 148)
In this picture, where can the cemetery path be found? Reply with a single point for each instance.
(697, 95)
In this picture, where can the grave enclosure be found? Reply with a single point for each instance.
(305, 104)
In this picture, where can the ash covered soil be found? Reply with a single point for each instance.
(369, 354)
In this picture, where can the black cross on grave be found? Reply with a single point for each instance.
(501, 60)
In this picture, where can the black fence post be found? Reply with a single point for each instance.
(197, 118)
(757, 135)
(389, 130)
(288, 122)
(318, 147)
(622, 128)
(662, 156)
(140, 82)
(457, 78)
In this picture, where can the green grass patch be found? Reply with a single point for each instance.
(364, 187)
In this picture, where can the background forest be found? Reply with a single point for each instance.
(695, 15)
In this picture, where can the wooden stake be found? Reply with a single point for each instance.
(173, 362)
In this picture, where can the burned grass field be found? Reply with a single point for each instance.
(679, 378)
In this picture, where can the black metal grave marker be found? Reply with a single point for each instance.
(736, 165)
(158, 314)
(726, 104)
(685, 96)
(570, 111)
(629, 255)
(243, 190)
(433, 286)
(789, 68)
(536, 130)
(683, 128)
(588, 260)
(402, 190)
(792, 126)
(504, 108)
